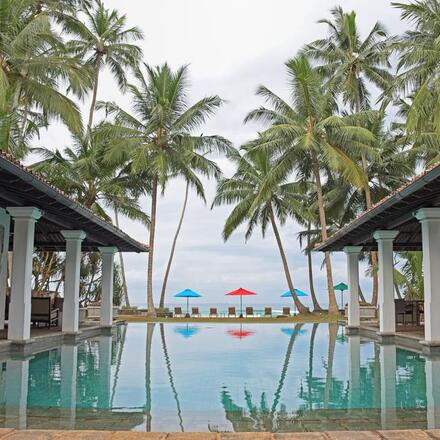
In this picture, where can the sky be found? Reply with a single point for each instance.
(231, 47)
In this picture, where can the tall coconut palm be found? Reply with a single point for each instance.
(202, 166)
(33, 70)
(158, 138)
(104, 40)
(82, 173)
(419, 62)
(310, 129)
(277, 202)
(350, 63)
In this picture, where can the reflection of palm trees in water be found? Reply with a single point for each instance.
(259, 418)
(150, 331)
(121, 332)
(323, 393)
(170, 376)
(332, 334)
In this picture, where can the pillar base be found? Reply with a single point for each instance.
(386, 338)
(71, 337)
(430, 348)
(106, 330)
(351, 330)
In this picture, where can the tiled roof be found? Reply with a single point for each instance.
(72, 202)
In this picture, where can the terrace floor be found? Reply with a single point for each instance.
(10, 434)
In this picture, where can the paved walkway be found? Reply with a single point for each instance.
(11, 434)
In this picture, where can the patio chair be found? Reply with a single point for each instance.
(286, 311)
(403, 312)
(178, 312)
(249, 311)
(213, 312)
(268, 312)
(195, 312)
(232, 312)
(43, 312)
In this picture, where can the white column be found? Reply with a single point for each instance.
(430, 220)
(387, 311)
(432, 371)
(105, 371)
(69, 363)
(71, 280)
(19, 323)
(352, 253)
(354, 370)
(5, 221)
(17, 375)
(388, 368)
(107, 254)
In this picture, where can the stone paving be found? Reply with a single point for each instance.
(35, 434)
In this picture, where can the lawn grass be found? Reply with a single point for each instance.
(309, 317)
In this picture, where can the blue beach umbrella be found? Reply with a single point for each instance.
(297, 291)
(289, 295)
(187, 293)
(187, 331)
(289, 331)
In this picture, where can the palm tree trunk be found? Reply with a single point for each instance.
(332, 304)
(173, 248)
(299, 305)
(369, 204)
(151, 312)
(95, 91)
(361, 295)
(316, 306)
(121, 261)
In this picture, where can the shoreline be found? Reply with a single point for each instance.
(310, 317)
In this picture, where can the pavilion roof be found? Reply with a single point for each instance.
(21, 186)
(393, 212)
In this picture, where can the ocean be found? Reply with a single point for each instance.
(222, 308)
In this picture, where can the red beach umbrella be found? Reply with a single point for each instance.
(241, 292)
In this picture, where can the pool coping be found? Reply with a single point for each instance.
(416, 434)
(40, 343)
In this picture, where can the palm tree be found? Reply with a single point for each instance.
(419, 62)
(349, 63)
(158, 140)
(82, 173)
(202, 166)
(104, 40)
(33, 68)
(278, 201)
(309, 130)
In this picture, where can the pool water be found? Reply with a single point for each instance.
(222, 377)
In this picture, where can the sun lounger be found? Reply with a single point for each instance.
(286, 311)
(195, 312)
(249, 311)
(232, 312)
(178, 312)
(268, 312)
(213, 312)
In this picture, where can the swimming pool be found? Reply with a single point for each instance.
(221, 377)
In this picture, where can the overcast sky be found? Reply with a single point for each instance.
(232, 46)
